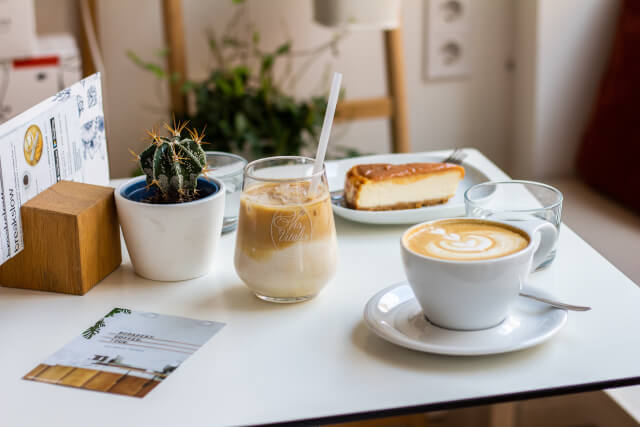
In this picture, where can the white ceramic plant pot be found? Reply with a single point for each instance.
(170, 242)
(357, 14)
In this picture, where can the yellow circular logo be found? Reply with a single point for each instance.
(33, 145)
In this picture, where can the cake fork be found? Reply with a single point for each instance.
(456, 157)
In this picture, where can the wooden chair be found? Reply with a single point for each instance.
(394, 105)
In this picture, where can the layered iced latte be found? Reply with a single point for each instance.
(286, 247)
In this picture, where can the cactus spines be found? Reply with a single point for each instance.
(173, 163)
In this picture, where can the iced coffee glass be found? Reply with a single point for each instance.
(286, 248)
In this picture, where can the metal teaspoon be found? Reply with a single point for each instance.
(556, 303)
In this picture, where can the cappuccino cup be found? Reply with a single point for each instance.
(466, 272)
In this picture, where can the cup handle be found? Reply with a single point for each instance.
(548, 236)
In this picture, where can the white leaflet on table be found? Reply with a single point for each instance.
(147, 346)
(149, 341)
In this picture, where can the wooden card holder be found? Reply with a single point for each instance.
(71, 240)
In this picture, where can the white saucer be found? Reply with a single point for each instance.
(395, 315)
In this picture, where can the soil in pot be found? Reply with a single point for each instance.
(140, 192)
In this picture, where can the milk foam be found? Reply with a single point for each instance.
(466, 241)
(469, 245)
(285, 194)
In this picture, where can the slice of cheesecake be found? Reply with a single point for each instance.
(382, 186)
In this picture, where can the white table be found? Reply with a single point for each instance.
(315, 360)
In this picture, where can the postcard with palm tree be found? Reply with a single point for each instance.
(125, 352)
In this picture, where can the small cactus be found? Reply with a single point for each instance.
(173, 164)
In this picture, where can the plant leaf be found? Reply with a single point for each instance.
(267, 63)
(223, 85)
(282, 49)
(149, 66)
(116, 311)
(188, 86)
(238, 84)
(163, 53)
(240, 122)
(93, 330)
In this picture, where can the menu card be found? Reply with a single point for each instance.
(126, 352)
(63, 137)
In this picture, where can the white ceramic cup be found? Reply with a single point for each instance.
(474, 294)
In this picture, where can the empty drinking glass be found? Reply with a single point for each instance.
(228, 168)
(516, 201)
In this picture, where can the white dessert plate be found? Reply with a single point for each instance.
(395, 315)
(336, 172)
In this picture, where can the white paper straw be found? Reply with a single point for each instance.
(326, 129)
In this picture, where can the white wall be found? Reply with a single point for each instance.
(562, 50)
(472, 112)
(136, 100)
(523, 130)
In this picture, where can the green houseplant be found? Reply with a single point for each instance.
(241, 103)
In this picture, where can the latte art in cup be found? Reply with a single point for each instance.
(466, 240)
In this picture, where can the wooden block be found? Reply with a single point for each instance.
(71, 240)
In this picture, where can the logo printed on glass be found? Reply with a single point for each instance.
(290, 227)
